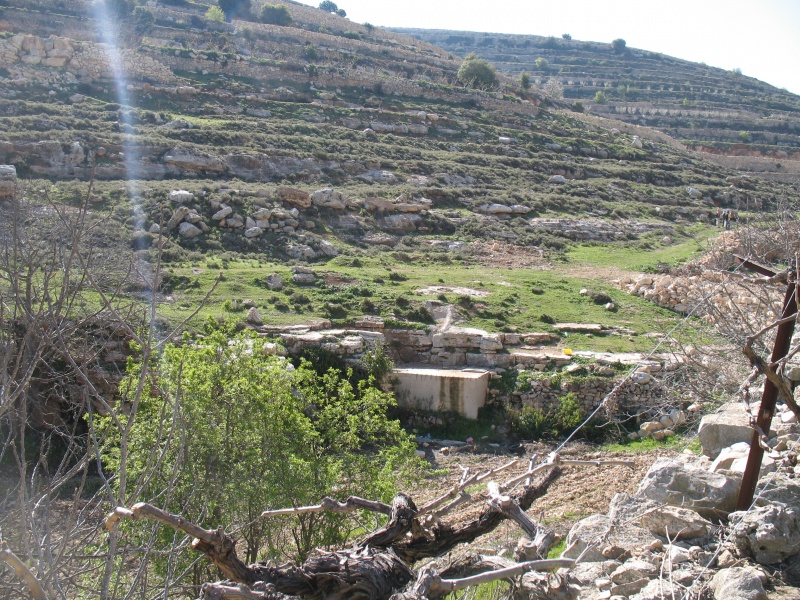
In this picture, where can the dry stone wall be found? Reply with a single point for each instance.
(497, 352)
(711, 294)
(30, 58)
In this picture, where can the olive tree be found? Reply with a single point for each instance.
(477, 73)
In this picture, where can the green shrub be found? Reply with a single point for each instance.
(477, 73)
(215, 14)
(275, 14)
(142, 20)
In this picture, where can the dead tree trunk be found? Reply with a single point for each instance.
(379, 565)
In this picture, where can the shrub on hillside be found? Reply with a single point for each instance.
(275, 14)
(618, 46)
(215, 14)
(477, 73)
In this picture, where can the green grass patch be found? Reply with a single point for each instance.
(646, 444)
(633, 256)
(555, 551)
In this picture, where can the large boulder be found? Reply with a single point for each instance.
(737, 583)
(178, 216)
(180, 196)
(328, 198)
(726, 427)
(679, 482)
(402, 222)
(597, 532)
(187, 230)
(770, 534)
(294, 197)
(182, 160)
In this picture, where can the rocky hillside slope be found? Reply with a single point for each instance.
(325, 102)
(710, 109)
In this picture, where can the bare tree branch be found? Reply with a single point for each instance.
(22, 571)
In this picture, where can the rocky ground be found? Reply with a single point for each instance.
(662, 527)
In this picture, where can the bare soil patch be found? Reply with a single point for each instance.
(579, 492)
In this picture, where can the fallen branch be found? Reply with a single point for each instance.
(352, 504)
(428, 580)
(22, 571)
(458, 489)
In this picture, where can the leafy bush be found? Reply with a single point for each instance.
(215, 14)
(224, 432)
(477, 73)
(275, 14)
(142, 20)
(328, 6)
(618, 46)
(600, 97)
(600, 298)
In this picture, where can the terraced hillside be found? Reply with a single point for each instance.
(324, 139)
(705, 107)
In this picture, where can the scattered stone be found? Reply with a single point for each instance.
(675, 523)
(557, 179)
(694, 192)
(224, 212)
(769, 534)
(728, 426)
(274, 282)
(253, 232)
(678, 482)
(178, 216)
(187, 230)
(253, 317)
(180, 196)
(294, 197)
(328, 198)
(737, 583)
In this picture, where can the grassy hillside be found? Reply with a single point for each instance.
(437, 183)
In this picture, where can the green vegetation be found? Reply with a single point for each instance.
(477, 73)
(275, 14)
(215, 13)
(253, 435)
(618, 46)
(645, 444)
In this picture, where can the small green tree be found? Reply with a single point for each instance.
(600, 97)
(744, 136)
(541, 63)
(142, 20)
(341, 12)
(477, 73)
(328, 6)
(578, 106)
(275, 14)
(524, 81)
(214, 13)
(618, 46)
(236, 432)
(566, 36)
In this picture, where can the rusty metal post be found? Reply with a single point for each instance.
(783, 340)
